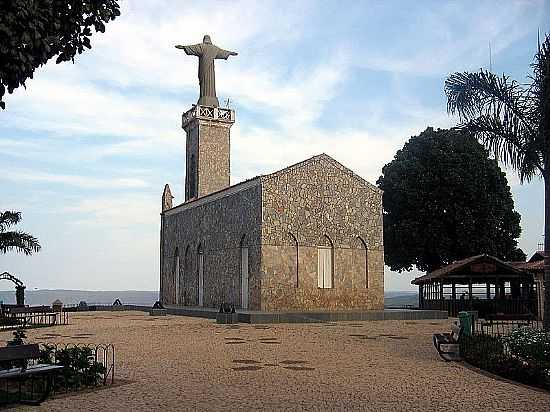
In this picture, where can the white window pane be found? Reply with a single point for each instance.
(320, 260)
(328, 269)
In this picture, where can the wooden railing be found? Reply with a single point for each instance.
(483, 306)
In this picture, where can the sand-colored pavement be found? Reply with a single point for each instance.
(176, 363)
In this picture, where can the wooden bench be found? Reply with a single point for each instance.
(21, 354)
(452, 338)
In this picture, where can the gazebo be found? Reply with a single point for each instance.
(482, 283)
(535, 265)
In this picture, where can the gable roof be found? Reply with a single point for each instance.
(532, 266)
(323, 157)
(228, 191)
(538, 255)
(467, 268)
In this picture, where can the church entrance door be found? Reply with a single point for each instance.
(244, 277)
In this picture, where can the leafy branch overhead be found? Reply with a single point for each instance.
(32, 32)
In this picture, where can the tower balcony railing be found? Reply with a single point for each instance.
(220, 114)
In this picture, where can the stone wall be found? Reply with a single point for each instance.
(208, 143)
(217, 223)
(306, 202)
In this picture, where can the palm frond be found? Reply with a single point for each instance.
(540, 93)
(19, 241)
(500, 113)
(484, 93)
(8, 219)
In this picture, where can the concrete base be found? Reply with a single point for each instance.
(157, 312)
(249, 316)
(226, 318)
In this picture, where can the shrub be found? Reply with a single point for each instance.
(494, 354)
(530, 345)
(80, 367)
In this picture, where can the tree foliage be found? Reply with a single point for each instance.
(34, 31)
(445, 199)
(15, 240)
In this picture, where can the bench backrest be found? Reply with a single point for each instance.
(11, 353)
(456, 332)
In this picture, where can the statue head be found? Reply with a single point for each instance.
(206, 39)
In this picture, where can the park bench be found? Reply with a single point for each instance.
(20, 355)
(451, 338)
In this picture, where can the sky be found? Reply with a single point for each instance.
(86, 148)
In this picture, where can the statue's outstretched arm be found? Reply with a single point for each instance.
(193, 50)
(224, 54)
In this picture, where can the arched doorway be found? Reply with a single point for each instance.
(244, 273)
(177, 277)
(200, 274)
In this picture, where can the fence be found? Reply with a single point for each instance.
(517, 350)
(84, 366)
(504, 327)
(29, 317)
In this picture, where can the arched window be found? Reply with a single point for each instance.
(177, 277)
(294, 242)
(361, 259)
(200, 274)
(193, 177)
(244, 273)
(325, 266)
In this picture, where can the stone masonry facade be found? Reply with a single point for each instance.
(207, 156)
(282, 219)
(316, 203)
(218, 225)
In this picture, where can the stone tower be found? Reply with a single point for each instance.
(207, 149)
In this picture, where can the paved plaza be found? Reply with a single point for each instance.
(178, 363)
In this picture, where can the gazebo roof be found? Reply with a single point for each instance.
(531, 266)
(477, 267)
(537, 256)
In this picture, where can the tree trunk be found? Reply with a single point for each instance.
(546, 252)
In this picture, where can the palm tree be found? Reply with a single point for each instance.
(513, 121)
(20, 241)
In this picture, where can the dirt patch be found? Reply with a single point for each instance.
(247, 368)
(246, 361)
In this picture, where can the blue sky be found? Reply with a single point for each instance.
(87, 148)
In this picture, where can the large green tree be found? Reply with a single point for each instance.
(15, 240)
(34, 31)
(513, 121)
(445, 199)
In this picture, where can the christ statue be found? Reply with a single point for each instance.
(207, 52)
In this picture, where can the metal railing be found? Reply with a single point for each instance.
(483, 306)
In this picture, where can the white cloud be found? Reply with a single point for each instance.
(85, 182)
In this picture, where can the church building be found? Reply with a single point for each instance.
(307, 237)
